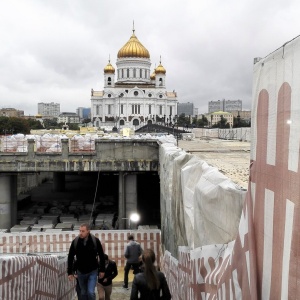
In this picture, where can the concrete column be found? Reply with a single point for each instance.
(8, 201)
(121, 212)
(64, 148)
(97, 148)
(59, 181)
(30, 148)
(131, 198)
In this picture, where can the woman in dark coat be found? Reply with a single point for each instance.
(151, 284)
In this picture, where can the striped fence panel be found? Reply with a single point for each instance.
(34, 277)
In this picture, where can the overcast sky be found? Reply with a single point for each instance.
(55, 50)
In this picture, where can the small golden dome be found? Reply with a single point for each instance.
(152, 76)
(160, 69)
(109, 68)
(133, 48)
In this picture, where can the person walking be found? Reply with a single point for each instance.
(151, 283)
(104, 285)
(90, 261)
(132, 253)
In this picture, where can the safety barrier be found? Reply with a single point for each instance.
(35, 264)
(113, 242)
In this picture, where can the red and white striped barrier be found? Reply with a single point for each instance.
(34, 277)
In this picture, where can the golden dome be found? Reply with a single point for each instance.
(133, 48)
(109, 68)
(152, 76)
(160, 69)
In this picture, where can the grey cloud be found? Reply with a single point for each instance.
(56, 50)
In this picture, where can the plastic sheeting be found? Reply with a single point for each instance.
(51, 143)
(262, 262)
(200, 205)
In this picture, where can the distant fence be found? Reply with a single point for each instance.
(241, 134)
(113, 242)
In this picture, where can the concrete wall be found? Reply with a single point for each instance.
(26, 182)
(109, 155)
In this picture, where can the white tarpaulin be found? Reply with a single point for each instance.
(262, 262)
(201, 206)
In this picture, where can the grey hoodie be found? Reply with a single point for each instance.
(133, 252)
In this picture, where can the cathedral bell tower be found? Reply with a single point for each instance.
(160, 75)
(109, 75)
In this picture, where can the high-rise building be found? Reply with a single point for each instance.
(49, 109)
(186, 108)
(225, 105)
(131, 95)
(84, 112)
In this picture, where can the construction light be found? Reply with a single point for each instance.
(134, 217)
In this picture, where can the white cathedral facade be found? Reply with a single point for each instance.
(132, 96)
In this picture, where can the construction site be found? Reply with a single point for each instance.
(229, 208)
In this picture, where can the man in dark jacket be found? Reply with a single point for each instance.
(88, 251)
(104, 285)
(132, 253)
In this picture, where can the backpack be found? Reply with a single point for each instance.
(93, 239)
(74, 267)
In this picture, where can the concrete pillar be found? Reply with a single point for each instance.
(97, 148)
(131, 198)
(64, 148)
(30, 148)
(121, 210)
(8, 201)
(59, 181)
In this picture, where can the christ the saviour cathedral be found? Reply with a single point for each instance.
(131, 96)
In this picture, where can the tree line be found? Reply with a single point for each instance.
(14, 125)
(190, 121)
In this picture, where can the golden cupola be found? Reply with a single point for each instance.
(133, 48)
(109, 69)
(160, 69)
